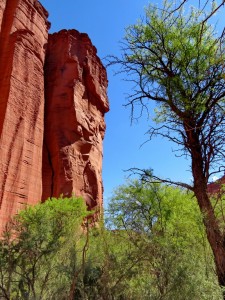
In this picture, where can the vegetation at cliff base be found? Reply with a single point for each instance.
(152, 246)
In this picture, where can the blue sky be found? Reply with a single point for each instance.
(105, 22)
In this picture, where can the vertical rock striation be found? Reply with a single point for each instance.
(51, 117)
(2, 8)
(76, 101)
(23, 37)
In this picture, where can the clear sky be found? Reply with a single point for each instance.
(104, 22)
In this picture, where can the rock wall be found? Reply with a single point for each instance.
(62, 103)
(23, 38)
(216, 187)
(76, 102)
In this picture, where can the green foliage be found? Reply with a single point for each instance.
(164, 229)
(154, 248)
(178, 58)
(36, 250)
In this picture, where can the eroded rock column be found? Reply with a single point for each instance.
(23, 38)
(76, 101)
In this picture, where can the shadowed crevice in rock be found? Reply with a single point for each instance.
(47, 173)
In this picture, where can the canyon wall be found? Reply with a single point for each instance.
(76, 101)
(51, 111)
(23, 38)
(217, 186)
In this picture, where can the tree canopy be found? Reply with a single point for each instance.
(164, 229)
(177, 61)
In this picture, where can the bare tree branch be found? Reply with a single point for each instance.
(147, 176)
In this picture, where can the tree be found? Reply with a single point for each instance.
(164, 229)
(177, 61)
(42, 249)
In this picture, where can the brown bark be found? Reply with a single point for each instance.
(214, 234)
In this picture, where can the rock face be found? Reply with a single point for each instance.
(216, 187)
(23, 36)
(62, 104)
(76, 102)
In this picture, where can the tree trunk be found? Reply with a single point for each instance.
(214, 234)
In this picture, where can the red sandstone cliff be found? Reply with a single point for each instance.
(64, 107)
(23, 36)
(216, 187)
(76, 102)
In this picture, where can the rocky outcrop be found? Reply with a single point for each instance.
(76, 102)
(23, 38)
(62, 104)
(216, 187)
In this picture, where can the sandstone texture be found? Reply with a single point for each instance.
(216, 187)
(2, 8)
(76, 101)
(23, 38)
(51, 111)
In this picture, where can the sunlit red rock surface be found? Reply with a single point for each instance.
(64, 108)
(215, 187)
(76, 102)
(23, 38)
